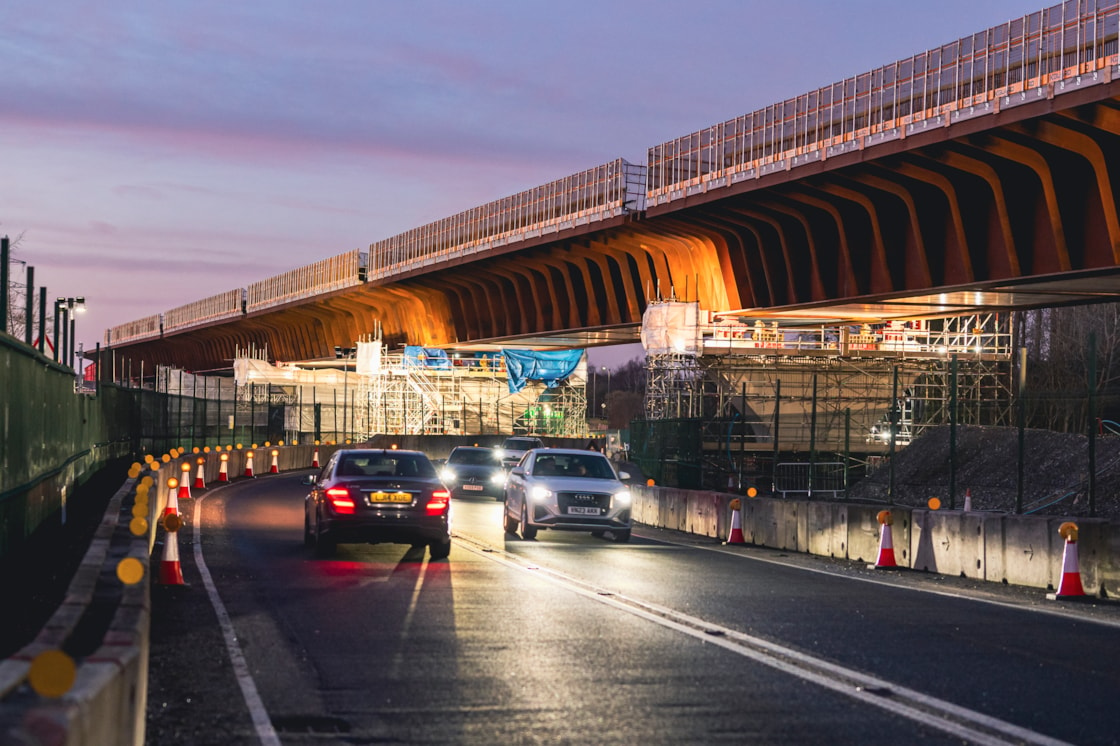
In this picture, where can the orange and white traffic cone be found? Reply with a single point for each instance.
(249, 464)
(736, 535)
(185, 482)
(315, 459)
(170, 571)
(200, 476)
(172, 507)
(1070, 585)
(886, 543)
(275, 467)
(967, 500)
(223, 470)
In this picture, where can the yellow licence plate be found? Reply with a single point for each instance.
(390, 497)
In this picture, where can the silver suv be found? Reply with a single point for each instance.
(568, 490)
(514, 448)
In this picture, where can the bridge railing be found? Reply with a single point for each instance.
(598, 193)
(1067, 45)
(148, 327)
(333, 273)
(215, 308)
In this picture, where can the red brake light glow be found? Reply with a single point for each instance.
(437, 503)
(339, 498)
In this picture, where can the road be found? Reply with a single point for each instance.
(572, 639)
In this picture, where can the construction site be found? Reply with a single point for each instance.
(803, 408)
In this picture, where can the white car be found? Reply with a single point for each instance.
(567, 490)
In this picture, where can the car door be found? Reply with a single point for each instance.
(515, 487)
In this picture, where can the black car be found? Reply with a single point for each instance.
(473, 470)
(373, 496)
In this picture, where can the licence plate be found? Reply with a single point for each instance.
(390, 497)
(473, 487)
(577, 510)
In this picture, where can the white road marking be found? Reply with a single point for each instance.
(973, 726)
(261, 721)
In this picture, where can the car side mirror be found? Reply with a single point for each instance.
(624, 475)
(518, 471)
(308, 479)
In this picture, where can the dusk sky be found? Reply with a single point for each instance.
(155, 154)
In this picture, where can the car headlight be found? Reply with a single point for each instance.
(448, 475)
(540, 494)
(621, 498)
(498, 477)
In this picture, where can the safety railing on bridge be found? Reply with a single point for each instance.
(334, 273)
(598, 193)
(822, 479)
(146, 328)
(215, 308)
(1067, 45)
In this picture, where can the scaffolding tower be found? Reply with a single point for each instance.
(827, 388)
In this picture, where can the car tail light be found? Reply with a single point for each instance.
(437, 503)
(339, 498)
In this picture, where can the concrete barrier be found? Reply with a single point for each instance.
(1001, 548)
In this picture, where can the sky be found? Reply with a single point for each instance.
(154, 154)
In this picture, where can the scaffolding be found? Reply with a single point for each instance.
(788, 388)
(369, 391)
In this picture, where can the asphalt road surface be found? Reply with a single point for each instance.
(669, 639)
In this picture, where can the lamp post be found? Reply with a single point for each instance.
(344, 354)
(69, 307)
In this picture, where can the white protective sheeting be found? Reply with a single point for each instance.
(671, 327)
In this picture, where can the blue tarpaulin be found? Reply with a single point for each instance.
(426, 357)
(550, 366)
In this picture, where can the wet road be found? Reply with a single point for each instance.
(573, 639)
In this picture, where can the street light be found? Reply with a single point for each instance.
(69, 307)
(344, 353)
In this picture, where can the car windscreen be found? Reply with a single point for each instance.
(386, 465)
(589, 466)
(473, 457)
(521, 444)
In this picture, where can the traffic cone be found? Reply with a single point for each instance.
(275, 468)
(886, 543)
(967, 500)
(1070, 586)
(315, 459)
(170, 571)
(200, 477)
(223, 470)
(249, 464)
(172, 507)
(736, 535)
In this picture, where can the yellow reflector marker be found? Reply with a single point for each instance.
(130, 571)
(142, 491)
(165, 458)
(266, 444)
(138, 526)
(196, 449)
(280, 443)
(185, 467)
(149, 459)
(649, 482)
(147, 482)
(172, 483)
(752, 492)
(139, 510)
(155, 466)
(52, 673)
(206, 449)
(934, 503)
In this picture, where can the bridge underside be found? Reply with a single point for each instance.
(1015, 209)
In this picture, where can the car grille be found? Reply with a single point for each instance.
(564, 500)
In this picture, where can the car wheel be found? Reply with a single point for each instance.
(528, 533)
(324, 545)
(621, 536)
(509, 522)
(440, 549)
